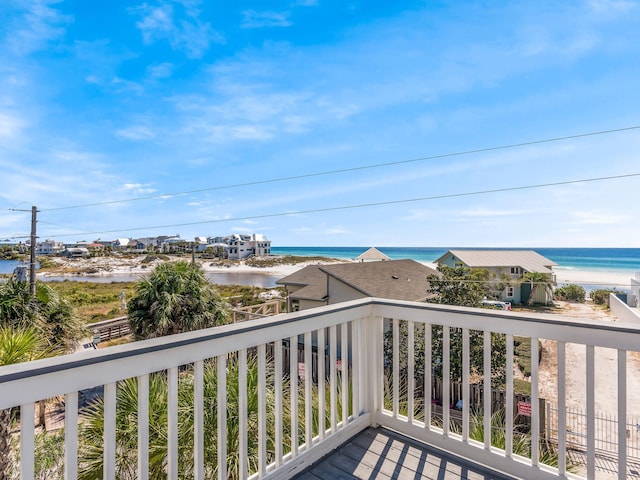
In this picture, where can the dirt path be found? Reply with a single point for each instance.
(606, 378)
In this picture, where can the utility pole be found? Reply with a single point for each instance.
(32, 264)
(34, 241)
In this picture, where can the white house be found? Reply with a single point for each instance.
(122, 243)
(49, 247)
(509, 265)
(239, 246)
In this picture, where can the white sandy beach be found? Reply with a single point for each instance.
(114, 266)
(594, 277)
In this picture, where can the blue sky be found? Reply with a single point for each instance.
(199, 105)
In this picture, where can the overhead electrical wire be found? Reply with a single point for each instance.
(363, 205)
(350, 169)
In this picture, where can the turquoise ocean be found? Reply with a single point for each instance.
(610, 260)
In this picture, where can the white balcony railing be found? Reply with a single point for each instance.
(341, 383)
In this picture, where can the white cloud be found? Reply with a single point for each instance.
(10, 125)
(599, 218)
(612, 6)
(478, 212)
(255, 19)
(185, 34)
(226, 133)
(337, 230)
(136, 133)
(37, 27)
(139, 188)
(160, 70)
(120, 85)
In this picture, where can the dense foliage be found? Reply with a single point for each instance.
(571, 293)
(176, 297)
(49, 313)
(601, 296)
(461, 286)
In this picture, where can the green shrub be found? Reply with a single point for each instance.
(571, 293)
(601, 296)
(522, 352)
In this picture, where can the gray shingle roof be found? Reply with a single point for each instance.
(396, 279)
(312, 280)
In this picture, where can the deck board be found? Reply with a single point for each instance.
(377, 453)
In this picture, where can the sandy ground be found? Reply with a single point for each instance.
(605, 364)
(606, 389)
(105, 266)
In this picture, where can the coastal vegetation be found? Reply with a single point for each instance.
(601, 296)
(176, 297)
(97, 301)
(31, 327)
(571, 293)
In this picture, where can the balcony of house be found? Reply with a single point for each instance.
(365, 389)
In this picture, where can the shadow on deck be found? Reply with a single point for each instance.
(382, 454)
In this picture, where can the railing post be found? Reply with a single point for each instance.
(372, 370)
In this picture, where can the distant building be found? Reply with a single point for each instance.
(123, 244)
(49, 247)
(76, 252)
(510, 265)
(372, 255)
(238, 246)
(317, 285)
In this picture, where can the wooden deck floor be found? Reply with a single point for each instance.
(381, 454)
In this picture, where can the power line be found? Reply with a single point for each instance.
(363, 205)
(350, 169)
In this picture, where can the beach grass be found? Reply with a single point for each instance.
(96, 301)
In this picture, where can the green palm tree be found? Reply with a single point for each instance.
(17, 344)
(49, 313)
(92, 429)
(30, 328)
(177, 297)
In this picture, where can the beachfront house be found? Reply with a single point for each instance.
(238, 246)
(318, 285)
(512, 266)
(49, 247)
(122, 244)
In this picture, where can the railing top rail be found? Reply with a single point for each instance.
(82, 370)
(104, 323)
(253, 332)
(553, 327)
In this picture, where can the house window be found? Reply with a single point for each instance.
(515, 270)
(510, 291)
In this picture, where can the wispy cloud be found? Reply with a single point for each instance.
(37, 27)
(255, 19)
(336, 230)
(136, 133)
(10, 126)
(160, 70)
(600, 218)
(184, 33)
